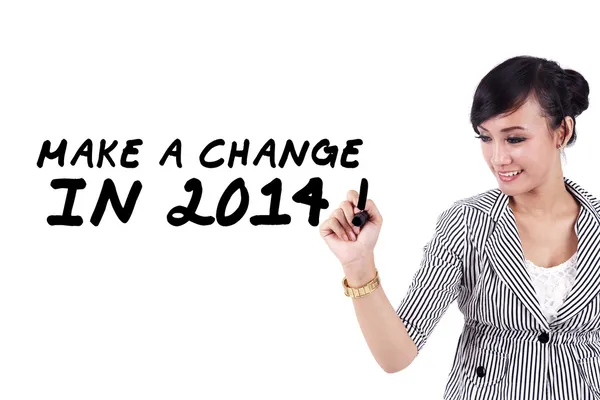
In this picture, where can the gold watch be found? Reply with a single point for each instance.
(363, 290)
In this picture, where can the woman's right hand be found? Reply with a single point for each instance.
(339, 232)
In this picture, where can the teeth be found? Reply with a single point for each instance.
(511, 173)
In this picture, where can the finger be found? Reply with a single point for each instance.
(373, 211)
(347, 215)
(348, 211)
(333, 225)
(374, 214)
(352, 197)
(339, 230)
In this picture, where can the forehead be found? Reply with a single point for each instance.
(529, 116)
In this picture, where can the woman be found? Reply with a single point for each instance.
(522, 259)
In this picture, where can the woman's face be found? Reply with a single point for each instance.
(522, 142)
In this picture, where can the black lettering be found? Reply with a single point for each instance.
(211, 164)
(267, 150)
(106, 153)
(72, 186)
(243, 153)
(173, 150)
(233, 218)
(189, 213)
(46, 153)
(349, 149)
(130, 149)
(84, 150)
(312, 195)
(330, 150)
(273, 189)
(109, 193)
(289, 149)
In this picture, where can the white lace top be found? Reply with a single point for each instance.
(552, 285)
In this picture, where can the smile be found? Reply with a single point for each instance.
(513, 173)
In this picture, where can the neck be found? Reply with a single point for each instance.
(549, 200)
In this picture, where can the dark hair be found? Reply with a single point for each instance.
(560, 92)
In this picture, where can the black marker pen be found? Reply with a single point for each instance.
(362, 217)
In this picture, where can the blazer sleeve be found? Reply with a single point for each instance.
(437, 282)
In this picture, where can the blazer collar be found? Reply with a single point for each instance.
(505, 254)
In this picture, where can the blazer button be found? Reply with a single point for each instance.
(544, 337)
(480, 371)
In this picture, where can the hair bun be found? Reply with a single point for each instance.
(579, 90)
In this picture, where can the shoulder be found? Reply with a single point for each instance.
(452, 218)
(584, 193)
(482, 202)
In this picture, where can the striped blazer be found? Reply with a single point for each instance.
(508, 349)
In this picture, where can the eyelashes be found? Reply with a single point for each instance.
(512, 140)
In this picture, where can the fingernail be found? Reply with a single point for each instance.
(356, 229)
(345, 237)
(352, 236)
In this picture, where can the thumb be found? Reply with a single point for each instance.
(374, 214)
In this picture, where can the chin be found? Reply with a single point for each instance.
(510, 188)
(509, 191)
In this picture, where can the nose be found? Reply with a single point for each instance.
(500, 155)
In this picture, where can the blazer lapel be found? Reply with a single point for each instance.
(505, 255)
(587, 229)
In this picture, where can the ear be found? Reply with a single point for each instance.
(565, 130)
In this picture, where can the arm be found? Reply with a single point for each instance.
(384, 332)
(396, 337)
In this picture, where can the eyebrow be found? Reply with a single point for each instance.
(510, 128)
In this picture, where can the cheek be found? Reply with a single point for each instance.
(487, 153)
(522, 154)
(535, 160)
(531, 156)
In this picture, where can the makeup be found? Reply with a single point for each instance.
(362, 217)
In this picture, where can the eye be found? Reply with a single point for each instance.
(512, 140)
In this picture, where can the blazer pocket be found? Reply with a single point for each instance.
(484, 367)
(589, 367)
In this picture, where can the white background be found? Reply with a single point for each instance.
(145, 310)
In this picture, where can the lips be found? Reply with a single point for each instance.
(503, 173)
(509, 178)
